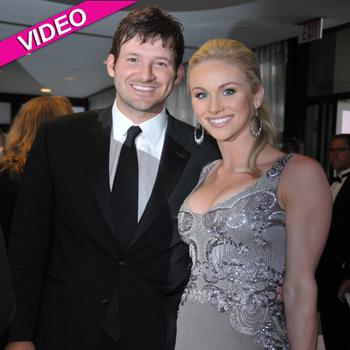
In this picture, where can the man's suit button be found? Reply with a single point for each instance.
(105, 301)
(120, 263)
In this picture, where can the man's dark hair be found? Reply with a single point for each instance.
(342, 136)
(150, 23)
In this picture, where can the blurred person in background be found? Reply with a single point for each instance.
(18, 143)
(333, 274)
(2, 142)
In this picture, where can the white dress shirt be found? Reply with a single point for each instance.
(149, 145)
(336, 186)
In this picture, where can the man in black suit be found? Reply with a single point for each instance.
(94, 267)
(333, 273)
(7, 306)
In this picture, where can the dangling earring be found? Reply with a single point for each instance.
(255, 125)
(198, 140)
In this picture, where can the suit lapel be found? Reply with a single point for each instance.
(99, 163)
(344, 188)
(172, 164)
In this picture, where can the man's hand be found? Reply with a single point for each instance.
(20, 345)
(343, 288)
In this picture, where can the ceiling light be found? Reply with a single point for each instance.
(70, 78)
(45, 90)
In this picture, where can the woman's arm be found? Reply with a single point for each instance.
(305, 195)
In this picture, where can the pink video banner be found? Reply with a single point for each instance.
(57, 27)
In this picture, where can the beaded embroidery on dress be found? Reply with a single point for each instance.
(237, 249)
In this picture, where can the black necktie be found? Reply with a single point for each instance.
(336, 179)
(125, 188)
(125, 207)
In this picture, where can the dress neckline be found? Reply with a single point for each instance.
(230, 197)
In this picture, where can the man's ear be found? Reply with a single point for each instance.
(179, 74)
(259, 97)
(110, 65)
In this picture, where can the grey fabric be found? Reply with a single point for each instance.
(238, 255)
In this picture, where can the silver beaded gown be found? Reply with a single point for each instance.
(237, 249)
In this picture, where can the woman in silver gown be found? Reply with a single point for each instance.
(256, 216)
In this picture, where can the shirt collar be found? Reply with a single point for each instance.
(152, 129)
(344, 172)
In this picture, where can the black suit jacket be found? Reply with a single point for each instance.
(9, 184)
(7, 306)
(334, 265)
(64, 249)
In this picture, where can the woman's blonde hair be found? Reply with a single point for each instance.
(25, 125)
(234, 52)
